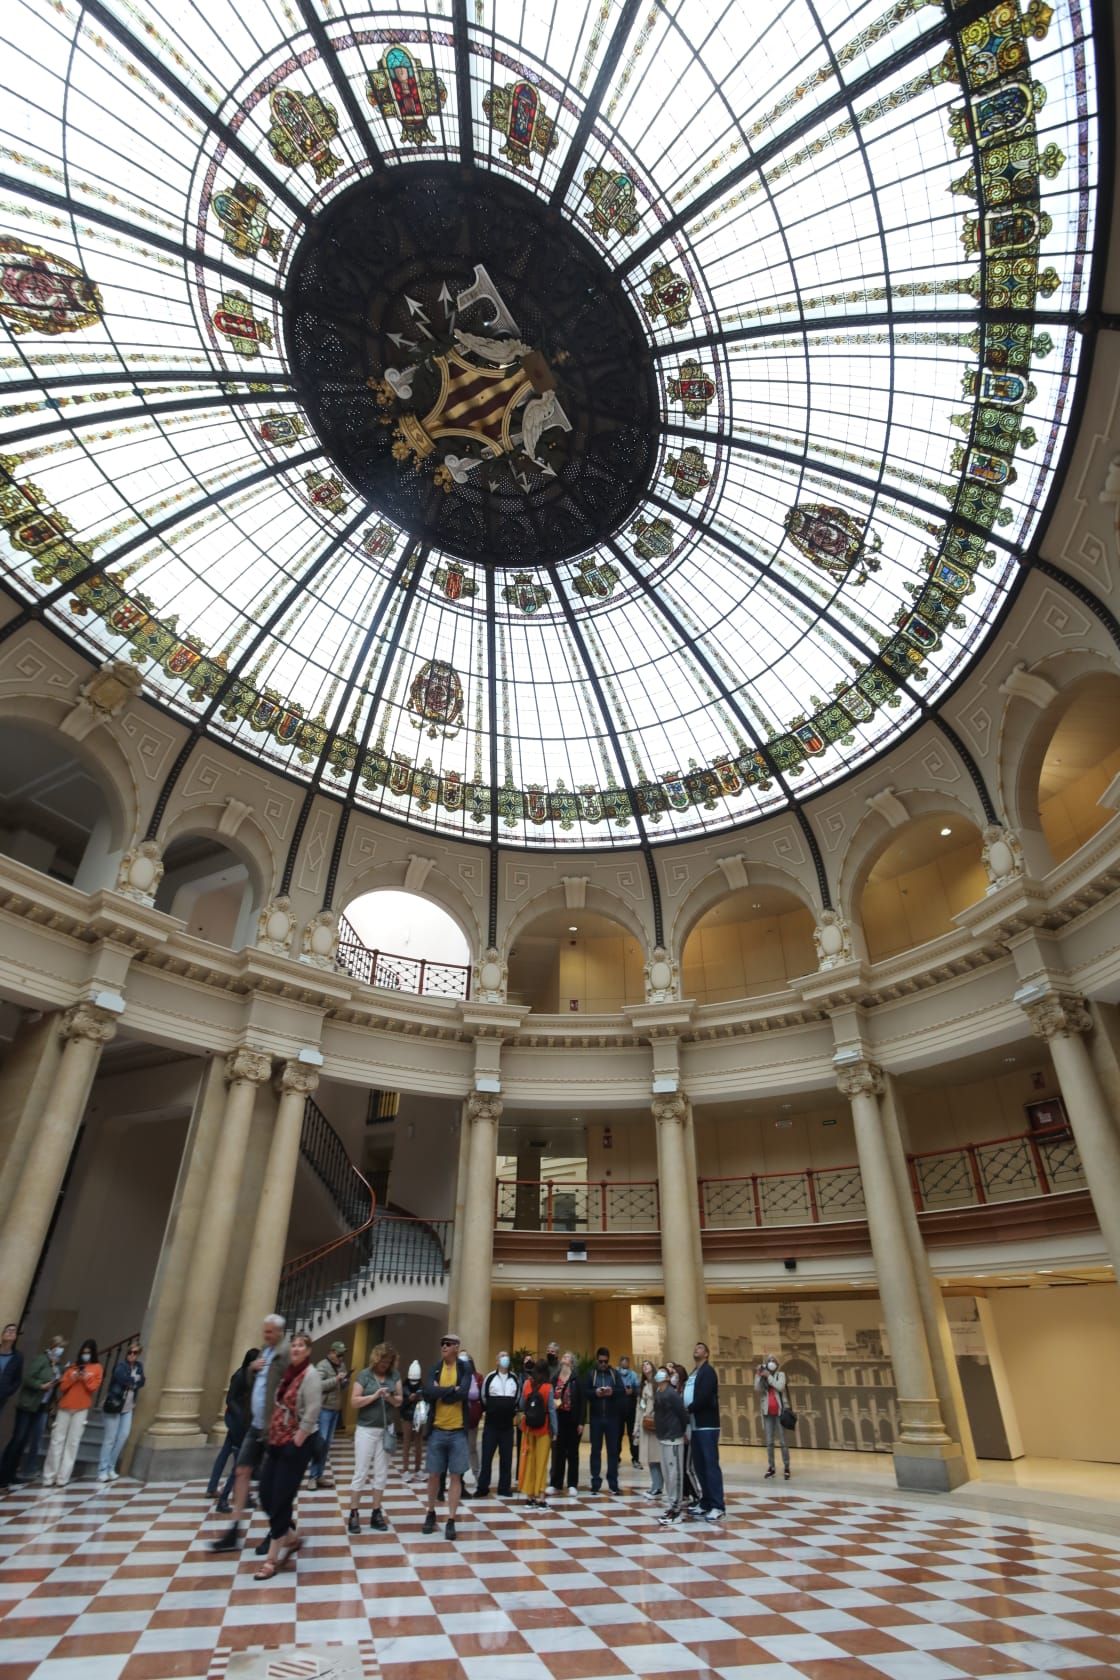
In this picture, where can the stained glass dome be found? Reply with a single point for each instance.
(555, 425)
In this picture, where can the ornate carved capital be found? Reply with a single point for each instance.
(1059, 1016)
(670, 1110)
(247, 1067)
(85, 1020)
(481, 1106)
(297, 1080)
(861, 1079)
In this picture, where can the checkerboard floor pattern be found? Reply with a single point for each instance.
(114, 1583)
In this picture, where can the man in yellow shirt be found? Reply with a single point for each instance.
(447, 1392)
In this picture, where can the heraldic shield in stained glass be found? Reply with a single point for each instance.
(303, 126)
(688, 472)
(435, 699)
(596, 579)
(834, 540)
(614, 206)
(404, 88)
(42, 293)
(526, 594)
(516, 112)
(476, 400)
(669, 297)
(235, 320)
(653, 538)
(281, 431)
(326, 491)
(244, 227)
(380, 540)
(453, 583)
(693, 389)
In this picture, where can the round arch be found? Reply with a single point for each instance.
(874, 835)
(710, 891)
(597, 899)
(73, 802)
(215, 882)
(754, 940)
(437, 888)
(1068, 754)
(917, 879)
(593, 959)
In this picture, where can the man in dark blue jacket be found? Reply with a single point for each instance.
(11, 1364)
(606, 1409)
(447, 1391)
(701, 1396)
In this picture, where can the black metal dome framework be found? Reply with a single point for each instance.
(847, 273)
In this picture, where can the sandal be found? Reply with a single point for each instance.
(267, 1571)
(289, 1552)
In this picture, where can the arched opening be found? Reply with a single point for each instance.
(210, 888)
(578, 960)
(405, 943)
(930, 871)
(755, 940)
(54, 813)
(1081, 759)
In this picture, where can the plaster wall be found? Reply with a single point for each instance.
(1061, 1350)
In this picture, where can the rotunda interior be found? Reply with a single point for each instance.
(560, 785)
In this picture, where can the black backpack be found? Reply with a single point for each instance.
(536, 1412)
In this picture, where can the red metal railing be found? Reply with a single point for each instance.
(417, 975)
(1003, 1169)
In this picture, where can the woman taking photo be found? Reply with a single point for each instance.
(649, 1447)
(376, 1397)
(291, 1440)
(77, 1386)
(124, 1385)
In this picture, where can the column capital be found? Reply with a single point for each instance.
(1061, 1015)
(245, 1066)
(481, 1106)
(670, 1110)
(86, 1020)
(294, 1079)
(860, 1079)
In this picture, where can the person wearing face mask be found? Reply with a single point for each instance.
(770, 1383)
(32, 1408)
(412, 1437)
(77, 1386)
(606, 1401)
(632, 1385)
(568, 1394)
(500, 1394)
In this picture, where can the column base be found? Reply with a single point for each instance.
(928, 1468)
(181, 1458)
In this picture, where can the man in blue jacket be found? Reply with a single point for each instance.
(606, 1410)
(447, 1391)
(11, 1364)
(701, 1396)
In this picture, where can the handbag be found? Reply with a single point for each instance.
(787, 1417)
(649, 1423)
(114, 1402)
(389, 1439)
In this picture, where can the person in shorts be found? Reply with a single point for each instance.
(447, 1391)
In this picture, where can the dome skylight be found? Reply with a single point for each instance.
(551, 424)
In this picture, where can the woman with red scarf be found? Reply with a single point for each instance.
(292, 1437)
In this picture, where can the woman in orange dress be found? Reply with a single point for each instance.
(538, 1429)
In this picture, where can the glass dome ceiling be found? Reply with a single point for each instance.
(557, 424)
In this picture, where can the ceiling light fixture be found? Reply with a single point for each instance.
(945, 831)
(573, 930)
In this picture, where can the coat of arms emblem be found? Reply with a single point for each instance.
(42, 293)
(303, 125)
(515, 111)
(235, 320)
(325, 492)
(526, 595)
(614, 207)
(653, 538)
(834, 540)
(693, 389)
(281, 431)
(380, 540)
(453, 582)
(688, 472)
(435, 699)
(401, 86)
(244, 228)
(595, 580)
(669, 296)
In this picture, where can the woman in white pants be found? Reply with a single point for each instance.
(77, 1386)
(376, 1397)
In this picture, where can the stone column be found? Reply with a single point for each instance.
(475, 1246)
(85, 1030)
(1062, 1020)
(697, 1239)
(461, 1196)
(274, 1209)
(679, 1214)
(25, 1081)
(924, 1456)
(177, 1420)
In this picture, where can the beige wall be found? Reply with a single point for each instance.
(1061, 1349)
(602, 973)
(722, 961)
(633, 1150)
(898, 911)
(1071, 817)
(732, 1146)
(954, 1115)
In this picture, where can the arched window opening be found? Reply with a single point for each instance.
(54, 814)
(405, 943)
(928, 874)
(1082, 758)
(209, 887)
(755, 940)
(576, 961)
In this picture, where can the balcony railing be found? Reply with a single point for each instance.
(804, 1198)
(400, 974)
(577, 1205)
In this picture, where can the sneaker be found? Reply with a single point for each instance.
(113, 1475)
(786, 1476)
(313, 1484)
(573, 1493)
(429, 1526)
(768, 1474)
(377, 1521)
(353, 1523)
(648, 1493)
(224, 1507)
(714, 1516)
(449, 1529)
(668, 1517)
(689, 1515)
(229, 1541)
(103, 1475)
(262, 1549)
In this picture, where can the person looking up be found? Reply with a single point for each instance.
(670, 1415)
(265, 1370)
(501, 1392)
(701, 1396)
(649, 1450)
(568, 1395)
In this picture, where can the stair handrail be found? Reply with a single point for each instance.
(326, 1155)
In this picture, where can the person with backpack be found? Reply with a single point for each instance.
(501, 1392)
(124, 1385)
(670, 1426)
(770, 1384)
(606, 1402)
(538, 1428)
(568, 1392)
(236, 1422)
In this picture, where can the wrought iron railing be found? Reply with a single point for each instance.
(813, 1197)
(318, 1287)
(418, 975)
(325, 1153)
(577, 1205)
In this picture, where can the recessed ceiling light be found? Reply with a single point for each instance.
(573, 930)
(1046, 1271)
(756, 906)
(945, 831)
(1011, 1058)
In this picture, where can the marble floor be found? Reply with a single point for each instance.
(800, 1583)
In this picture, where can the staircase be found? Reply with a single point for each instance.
(382, 1260)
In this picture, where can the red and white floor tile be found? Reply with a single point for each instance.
(116, 1583)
